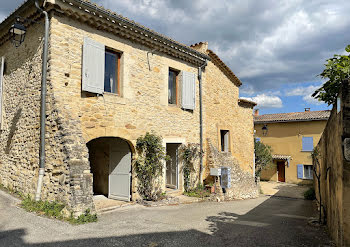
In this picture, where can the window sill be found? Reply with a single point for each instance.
(306, 150)
(113, 98)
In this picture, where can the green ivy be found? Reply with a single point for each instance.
(148, 165)
(189, 154)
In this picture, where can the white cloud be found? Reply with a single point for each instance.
(266, 101)
(306, 93)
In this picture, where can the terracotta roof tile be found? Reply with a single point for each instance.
(293, 116)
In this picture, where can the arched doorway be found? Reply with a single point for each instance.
(110, 162)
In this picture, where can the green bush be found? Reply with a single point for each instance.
(200, 191)
(310, 194)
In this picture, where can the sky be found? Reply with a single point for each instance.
(276, 48)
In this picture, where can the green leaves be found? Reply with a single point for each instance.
(336, 70)
(263, 157)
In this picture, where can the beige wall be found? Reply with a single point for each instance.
(286, 139)
(222, 112)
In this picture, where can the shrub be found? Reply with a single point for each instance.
(310, 194)
(87, 217)
(148, 165)
(200, 191)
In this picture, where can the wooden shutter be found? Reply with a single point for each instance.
(308, 143)
(2, 65)
(300, 171)
(93, 66)
(188, 94)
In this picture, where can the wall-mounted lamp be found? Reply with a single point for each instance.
(264, 130)
(17, 32)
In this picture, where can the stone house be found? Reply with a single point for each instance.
(111, 80)
(292, 137)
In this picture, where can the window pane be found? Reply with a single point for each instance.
(172, 87)
(111, 72)
(224, 136)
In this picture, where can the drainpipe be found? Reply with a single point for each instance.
(43, 104)
(200, 69)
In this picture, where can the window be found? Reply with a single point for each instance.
(307, 143)
(112, 67)
(172, 87)
(305, 171)
(225, 139)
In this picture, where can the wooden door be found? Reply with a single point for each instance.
(281, 171)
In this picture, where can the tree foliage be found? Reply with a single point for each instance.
(149, 164)
(337, 69)
(263, 157)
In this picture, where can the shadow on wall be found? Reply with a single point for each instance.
(275, 222)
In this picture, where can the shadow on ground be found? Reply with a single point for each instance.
(277, 221)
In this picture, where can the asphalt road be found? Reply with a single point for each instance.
(265, 221)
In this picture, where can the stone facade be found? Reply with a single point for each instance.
(335, 169)
(75, 117)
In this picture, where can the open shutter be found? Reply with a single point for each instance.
(188, 95)
(93, 66)
(308, 143)
(2, 65)
(300, 171)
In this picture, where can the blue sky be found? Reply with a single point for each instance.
(276, 48)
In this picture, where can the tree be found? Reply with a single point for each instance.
(337, 69)
(263, 157)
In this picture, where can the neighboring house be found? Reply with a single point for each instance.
(111, 80)
(292, 137)
(334, 160)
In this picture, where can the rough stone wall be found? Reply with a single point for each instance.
(222, 111)
(243, 184)
(142, 105)
(19, 138)
(335, 186)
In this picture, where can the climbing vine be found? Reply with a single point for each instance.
(189, 154)
(148, 165)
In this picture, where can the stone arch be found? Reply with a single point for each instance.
(110, 163)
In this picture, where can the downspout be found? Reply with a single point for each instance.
(43, 104)
(200, 69)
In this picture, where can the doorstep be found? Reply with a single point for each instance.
(104, 204)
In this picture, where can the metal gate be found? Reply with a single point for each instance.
(119, 171)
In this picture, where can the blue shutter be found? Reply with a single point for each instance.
(188, 94)
(258, 139)
(93, 66)
(300, 171)
(308, 143)
(1, 88)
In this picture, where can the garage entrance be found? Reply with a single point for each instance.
(110, 162)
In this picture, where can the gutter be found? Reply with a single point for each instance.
(43, 104)
(200, 69)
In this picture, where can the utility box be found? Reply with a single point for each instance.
(215, 172)
(225, 177)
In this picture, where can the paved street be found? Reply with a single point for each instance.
(265, 221)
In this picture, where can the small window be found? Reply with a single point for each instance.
(225, 139)
(172, 87)
(307, 143)
(112, 71)
(308, 172)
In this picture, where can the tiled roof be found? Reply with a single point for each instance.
(293, 116)
(248, 102)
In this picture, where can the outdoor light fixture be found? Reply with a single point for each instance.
(264, 130)
(17, 32)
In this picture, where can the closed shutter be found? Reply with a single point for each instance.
(2, 65)
(308, 143)
(188, 94)
(300, 171)
(93, 66)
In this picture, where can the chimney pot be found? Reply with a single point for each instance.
(307, 109)
(256, 112)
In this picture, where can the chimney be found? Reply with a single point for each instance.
(307, 109)
(256, 112)
(201, 47)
